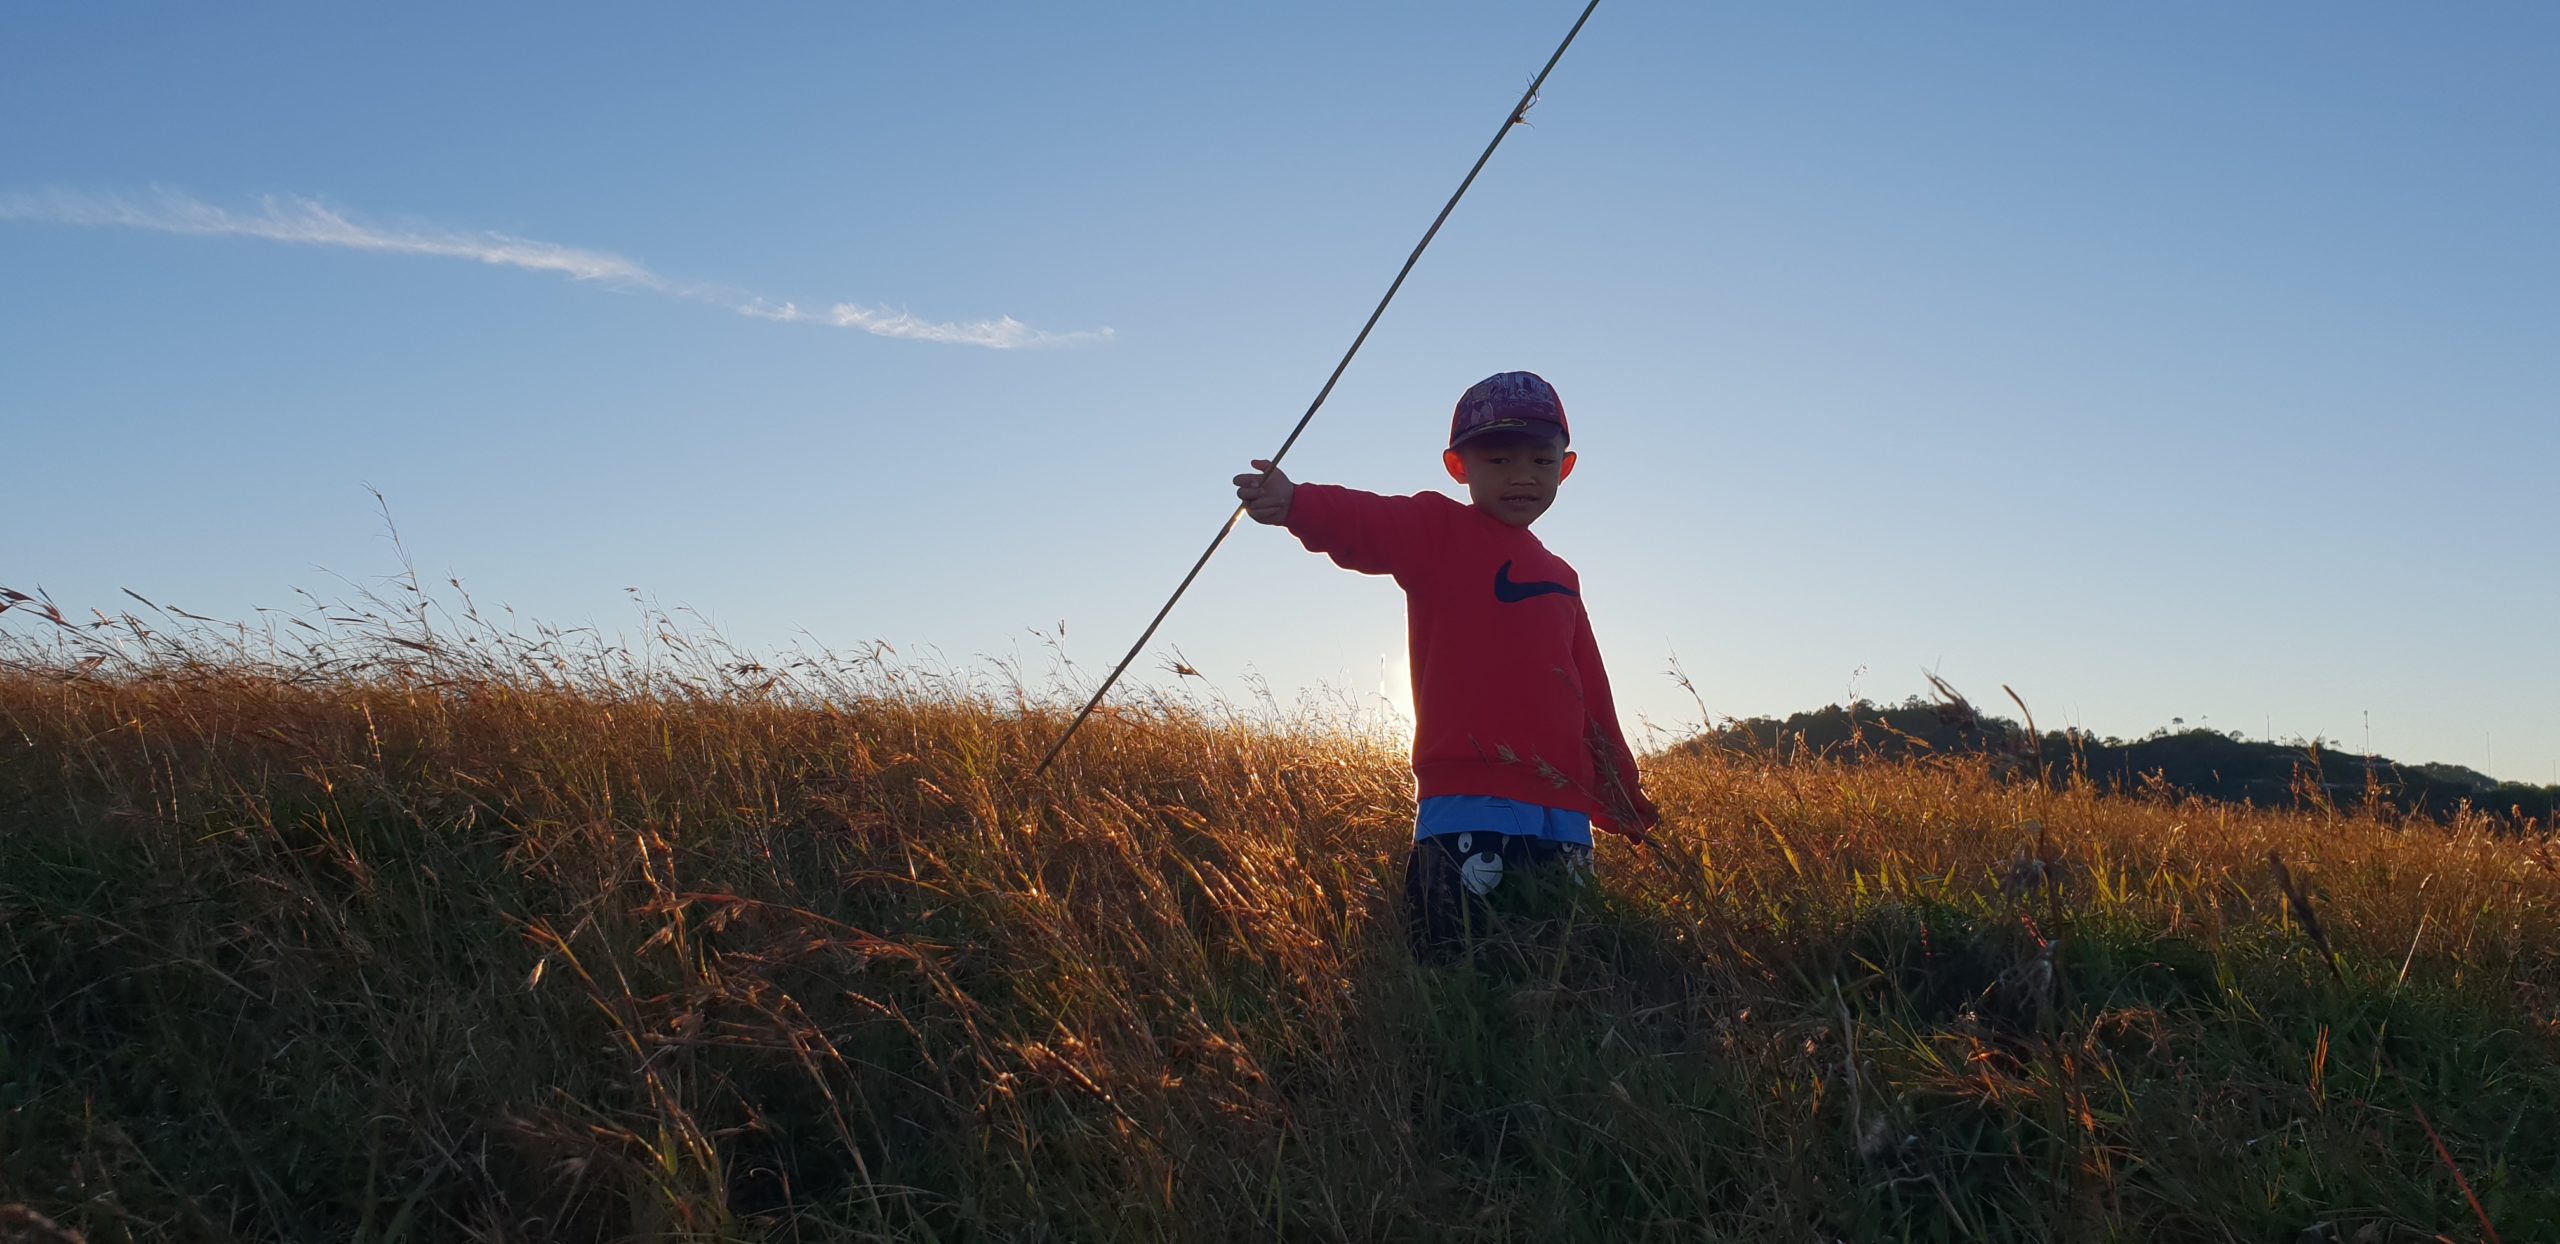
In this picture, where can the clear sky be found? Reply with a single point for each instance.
(2161, 361)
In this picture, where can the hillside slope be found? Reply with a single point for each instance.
(2195, 761)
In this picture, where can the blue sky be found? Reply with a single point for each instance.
(2159, 361)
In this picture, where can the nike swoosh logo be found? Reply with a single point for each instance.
(1511, 593)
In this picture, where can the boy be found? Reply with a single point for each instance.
(1516, 747)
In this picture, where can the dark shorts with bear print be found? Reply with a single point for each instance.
(1460, 888)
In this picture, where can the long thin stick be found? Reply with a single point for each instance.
(1518, 112)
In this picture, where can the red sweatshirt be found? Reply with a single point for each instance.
(1509, 697)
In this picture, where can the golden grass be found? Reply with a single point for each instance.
(440, 933)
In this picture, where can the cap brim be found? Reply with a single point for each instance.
(1508, 425)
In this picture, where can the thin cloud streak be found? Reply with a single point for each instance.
(300, 221)
(308, 222)
(1003, 333)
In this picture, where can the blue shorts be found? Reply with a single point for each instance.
(1481, 814)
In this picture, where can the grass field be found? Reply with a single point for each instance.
(440, 933)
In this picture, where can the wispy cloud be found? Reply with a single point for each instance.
(312, 223)
(309, 222)
(1002, 333)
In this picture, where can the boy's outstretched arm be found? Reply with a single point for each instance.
(1359, 530)
(1266, 493)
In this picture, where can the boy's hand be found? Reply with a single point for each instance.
(1629, 812)
(1265, 493)
(1644, 817)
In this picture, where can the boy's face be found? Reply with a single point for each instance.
(1510, 475)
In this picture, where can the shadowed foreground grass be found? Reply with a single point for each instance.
(444, 950)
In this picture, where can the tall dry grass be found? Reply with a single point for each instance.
(410, 925)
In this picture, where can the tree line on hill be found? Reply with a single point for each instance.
(2191, 761)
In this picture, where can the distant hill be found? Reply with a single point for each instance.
(2193, 761)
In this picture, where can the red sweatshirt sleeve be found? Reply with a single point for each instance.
(1364, 531)
(1613, 763)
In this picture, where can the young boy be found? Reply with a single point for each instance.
(1516, 747)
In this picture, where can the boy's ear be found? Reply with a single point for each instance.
(1567, 472)
(1457, 466)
